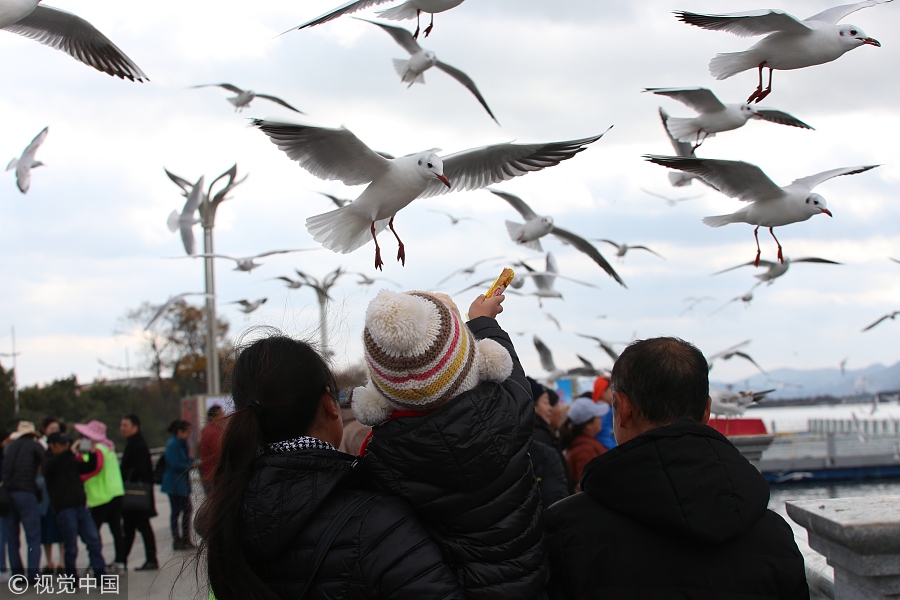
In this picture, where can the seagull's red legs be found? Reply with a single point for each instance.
(698, 142)
(401, 251)
(416, 34)
(378, 261)
(759, 94)
(758, 251)
(780, 257)
(430, 27)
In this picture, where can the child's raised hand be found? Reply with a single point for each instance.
(486, 307)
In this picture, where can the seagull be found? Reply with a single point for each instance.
(769, 205)
(248, 307)
(324, 285)
(292, 284)
(543, 280)
(681, 149)
(733, 404)
(746, 298)
(366, 281)
(604, 345)
(553, 373)
(67, 32)
(168, 303)
(843, 365)
(246, 263)
(537, 226)
(714, 116)
(413, 70)
(245, 97)
(790, 43)
(892, 316)
(693, 301)
(395, 182)
(731, 352)
(554, 320)
(339, 202)
(453, 219)
(673, 201)
(25, 163)
(411, 9)
(185, 220)
(470, 270)
(622, 249)
(895, 260)
(776, 270)
(515, 284)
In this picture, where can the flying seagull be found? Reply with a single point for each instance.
(454, 220)
(395, 182)
(892, 315)
(339, 202)
(776, 270)
(544, 280)
(25, 163)
(604, 345)
(768, 204)
(67, 32)
(247, 263)
(411, 9)
(692, 302)
(248, 307)
(168, 303)
(470, 270)
(292, 284)
(715, 116)
(553, 372)
(536, 226)
(185, 220)
(681, 149)
(731, 352)
(366, 281)
(245, 97)
(413, 70)
(746, 298)
(790, 43)
(732, 404)
(673, 201)
(622, 249)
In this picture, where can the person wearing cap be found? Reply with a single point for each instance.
(675, 511)
(550, 466)
(452, 422)
(62, 472)
(105, 488)
(578, 435)
(21, 463)
(603, 393)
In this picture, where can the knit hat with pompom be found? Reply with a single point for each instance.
(420, 355)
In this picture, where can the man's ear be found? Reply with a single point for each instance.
(705, 419)
(623, 411)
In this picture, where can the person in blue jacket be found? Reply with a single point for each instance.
(177, 483)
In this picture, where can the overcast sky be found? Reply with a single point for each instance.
(89, 241)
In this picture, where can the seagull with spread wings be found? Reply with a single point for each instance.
(536, 226)
(587, 369)
(411, 9)
(768, 204)
(247, 306)
(774, 270)
(25, 163)
(245, 97)
(395, 182)
(731, 352)
(185, 220)
(715, 117)
(413, 70)
(746, 298)
(890, 315)
(470, 270)
(790, 43)
(604, 345)
(67, 32)
(544, 280)
(247, 263)
(168, 303)
(454, 220)
(622, 249)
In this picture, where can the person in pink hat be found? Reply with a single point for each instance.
(104, 488)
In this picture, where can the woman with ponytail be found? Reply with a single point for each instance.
(288, 516)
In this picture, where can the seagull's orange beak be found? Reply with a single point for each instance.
(871, 42)
(827, 212)
(443, 180)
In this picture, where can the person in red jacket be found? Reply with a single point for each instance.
(211, 445)
(578, 435)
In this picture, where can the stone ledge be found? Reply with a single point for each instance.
(865, 526)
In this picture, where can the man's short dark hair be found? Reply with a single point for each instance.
(665, 378)
(135, 420)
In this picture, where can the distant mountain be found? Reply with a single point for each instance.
(793, 383)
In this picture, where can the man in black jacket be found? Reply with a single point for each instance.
(137, 468)
(675, 511)
(22, 461)
(62, 471)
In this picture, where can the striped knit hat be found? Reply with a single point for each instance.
(420, 354)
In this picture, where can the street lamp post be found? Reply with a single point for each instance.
(15, 371)
(207, 208)
(322, 287)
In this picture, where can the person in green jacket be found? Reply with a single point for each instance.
(104, 488)
(177, 483)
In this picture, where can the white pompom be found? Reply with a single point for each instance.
(397, 322)
(494, 362)
(369, 406)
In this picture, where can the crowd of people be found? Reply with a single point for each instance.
(59, 486)
(450, 474)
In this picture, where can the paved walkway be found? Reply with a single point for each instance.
(175, 579)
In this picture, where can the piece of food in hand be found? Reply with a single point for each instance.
(500, 284)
